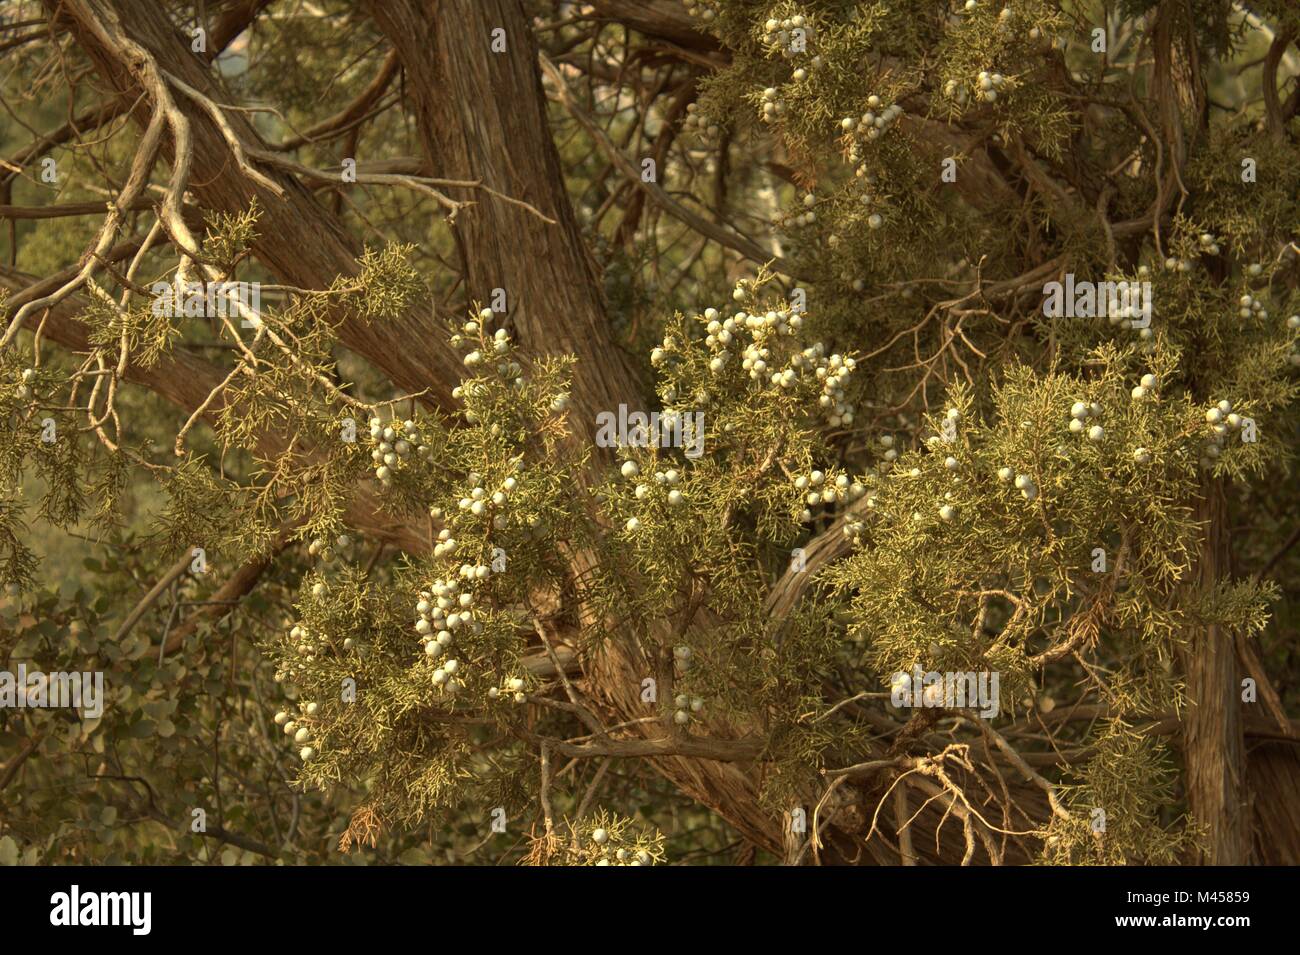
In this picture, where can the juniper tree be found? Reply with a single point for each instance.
(826, 432)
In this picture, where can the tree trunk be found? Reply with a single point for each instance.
(460, 91)
(1213, 745)
(482, 117)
